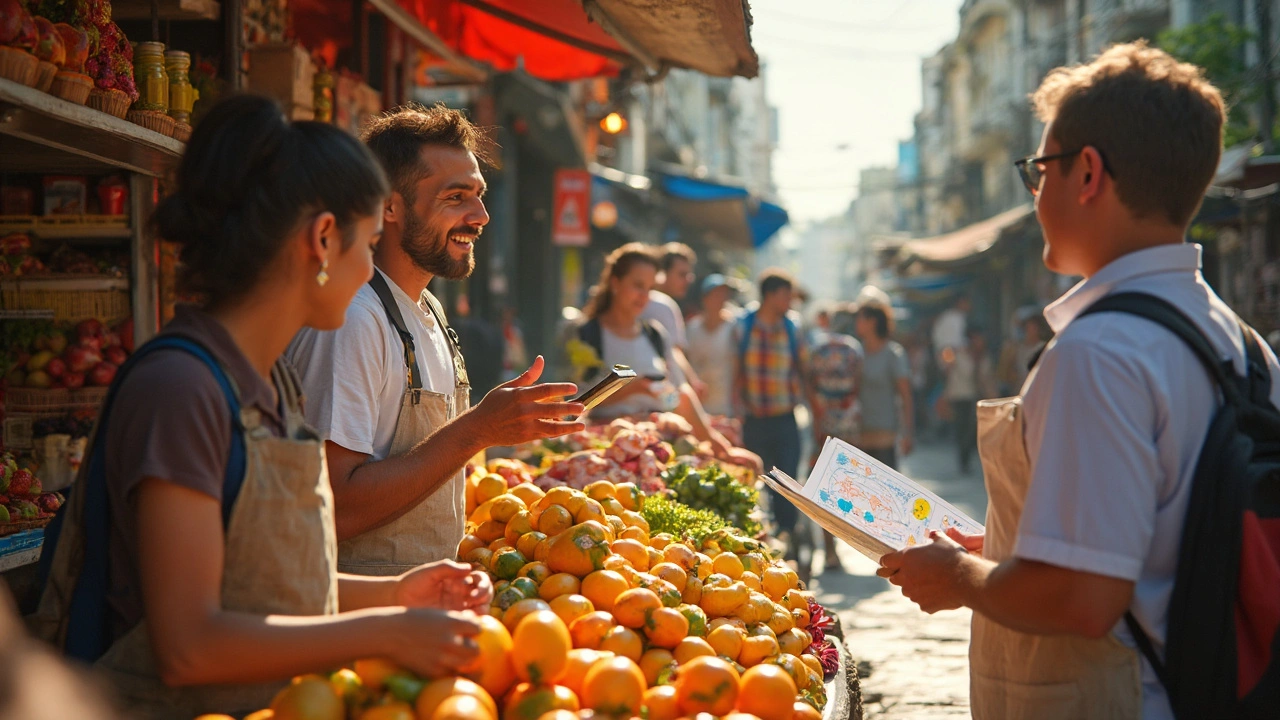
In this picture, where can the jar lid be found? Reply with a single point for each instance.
(177, 55)
(150, 48)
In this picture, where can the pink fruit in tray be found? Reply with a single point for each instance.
(81, 359)
(102, 374)
(115, 355)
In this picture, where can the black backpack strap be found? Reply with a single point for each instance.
(379, 285)
(590, 333)
(1148, 650)
(1172, 319)
(1259, 373)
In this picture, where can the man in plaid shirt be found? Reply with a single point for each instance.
(770, 383)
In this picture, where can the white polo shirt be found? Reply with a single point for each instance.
(665, 311)
(354, 377)
(1115, 415)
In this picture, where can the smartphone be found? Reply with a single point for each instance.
(612, 383)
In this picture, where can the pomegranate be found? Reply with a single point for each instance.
(73, 380)
(115, 355)
(56, 368)
(81, 359)
(102, 374)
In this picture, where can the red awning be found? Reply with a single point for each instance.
(555, 39)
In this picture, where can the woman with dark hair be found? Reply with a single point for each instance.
(195, 565)
(615, 334)
(885, 394)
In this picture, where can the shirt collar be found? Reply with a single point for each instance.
(1183, 258)
(254, 390)
(401, 296)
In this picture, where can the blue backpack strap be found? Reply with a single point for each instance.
(748, 324)
(88, 631)
(793, 340)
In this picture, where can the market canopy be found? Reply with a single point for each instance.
(727, 213)
(966, 244)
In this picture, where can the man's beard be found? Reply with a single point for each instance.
(432, 253)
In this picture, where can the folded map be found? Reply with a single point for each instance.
(867, 504)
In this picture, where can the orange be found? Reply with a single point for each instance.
(527, 492)
(753, 562)
(479, 556)
(505, 507)
(661, 540)
(794, 600)
(666, 627)
(634, 551)
(665, 591)
(692, 647)
(490, 487)
(797, 670)
(634, 533)
(614, 687)
(589, 630)
(804, 711)
(575, 501)
(692, 592)
(506, 563)
(697, 619)
(530, 702)
(721, 601)
(768, 692)
(600, 489)
(437, 691)
(543, 551)
(703, 566)
(535, 571)
(540, 645)
(756, 649)
(727, 640)
(308, 698)
(655, 556)
(555, 520)
(617, 526)
(813, 663)
(580, 661)
(571, 607)
(560, 715)
(492, 668)
(631, 497)
(469, 543)
(616, 562)
(591, 510)
(557, 585)
(728, 564)
(633, 607)
(635, 519)
(731, 622)
(461, 707)
(653, 662)
(267, 714)
(707, 684)
(791, 642)
(751, 580)
(801, 618)
(490, 530)
(603, 587)
(500, 544)
(661, 703)
(216, 717)
(781, 621)
(579, 550)
(624, 642)
(680, 554)
(760, 629)
(527, 543)
(774, 581)
(521, 610)
(672, 573)
(374, 672)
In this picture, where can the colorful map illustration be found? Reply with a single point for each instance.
(878, 500)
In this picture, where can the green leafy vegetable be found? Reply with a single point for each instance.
(712, 489)
(666, 515)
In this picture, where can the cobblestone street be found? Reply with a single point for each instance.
(913, 665)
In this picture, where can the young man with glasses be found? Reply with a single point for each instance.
(1089, 472)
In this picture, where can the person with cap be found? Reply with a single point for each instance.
(712, 347)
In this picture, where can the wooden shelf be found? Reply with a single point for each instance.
(40, 133)
(62, 229)
(169, 10)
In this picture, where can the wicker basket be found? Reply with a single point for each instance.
(45, 74)
(18, 65)
(72, 86)
(11, 528)
(113, 102)
(70, 299)
(41, 403)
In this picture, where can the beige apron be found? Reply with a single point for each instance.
(432, 530)
(281, 559)
(1016, 676)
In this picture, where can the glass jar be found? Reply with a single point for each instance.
(322, 95)
(182, 97)
(152, 80)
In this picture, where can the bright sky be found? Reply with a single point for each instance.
(845, 77)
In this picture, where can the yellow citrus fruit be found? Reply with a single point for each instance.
(617, 526)
(521, 610)
(530, 701)
(721, 601)
(795, 600)
(557, 585)
(692, 593)
(655, 556)
(437, 691)
(661, 540)
(707, 684)
(591, 510)
(704, 565)
(751, 580)
(580, 661)
(500, 544)
(680, 554)
(603, 587)
(768, 692)
(217, 716)
(653, 662)
(635, 519)
(480, 556)
(634, 551)
(727, 641)
(615, 687)
(560, 715)
(616, 562)
(697, 619)
(756, 649)
(665, 591)
(571, 607)
(795, 668)
(555, 520)
(540, 645)
(731, 622)
(527, 492)
(461, 707)
(535, 571)
(774, 582)
(791, 642)
(492, 668)
(666, 627)
(624, 642)
(374, 672)
(813, 663)
(728, 564)
(753, 562)
(469, 543)
(672, 573)
(692, 647)
(589, 630)
(631, 497)
(308, 698)
(506, 563)
(579, 550)
(505, 507)
(661, 703)
(800, 618)
(491, 530)
(518, 526)
(600, 489)
(804, 711)
(781, 621)
(633, 607)
(634, 533)
(490, 487)
(267, 714)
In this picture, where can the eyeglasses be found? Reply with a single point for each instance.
(1031, 174)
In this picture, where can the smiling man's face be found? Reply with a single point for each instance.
(447, 214)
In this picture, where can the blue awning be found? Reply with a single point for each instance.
(726, 212)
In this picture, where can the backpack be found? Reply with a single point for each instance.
(1222, 653)
(591, 334)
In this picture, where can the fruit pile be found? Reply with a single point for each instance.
(21, 497)
(90, 354)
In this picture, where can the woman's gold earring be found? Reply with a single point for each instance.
(322, 277)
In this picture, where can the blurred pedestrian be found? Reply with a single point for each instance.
(481, 344)
(770, 383)
(712, 344)
(888, 408)
(970, 378)
(515, 357)
(835, 373)
(948, 339)
(919, 363)
(674, 278)
(1017, 355)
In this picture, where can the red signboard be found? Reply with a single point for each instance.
(571, 208)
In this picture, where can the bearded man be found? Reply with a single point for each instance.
(389, 391)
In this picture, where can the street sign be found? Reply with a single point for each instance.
(571, 208)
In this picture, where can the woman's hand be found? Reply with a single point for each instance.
(972, 543)
(434, 643)
(445, 584)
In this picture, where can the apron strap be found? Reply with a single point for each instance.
(88, 630)
(379, 285)
(455, 345)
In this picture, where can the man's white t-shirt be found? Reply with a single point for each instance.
(665, 311)
(354, 378)
(1115, 414)
(949, 330)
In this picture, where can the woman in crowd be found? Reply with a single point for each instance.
(885, 395)
(196, 561)
(615, 334)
